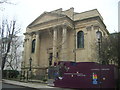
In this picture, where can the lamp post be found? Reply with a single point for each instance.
(30, 61)
(99, 36)
(30, 68)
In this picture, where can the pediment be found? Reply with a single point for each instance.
(45, 17)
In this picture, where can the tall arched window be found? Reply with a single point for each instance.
(33, 46)
(80, 39)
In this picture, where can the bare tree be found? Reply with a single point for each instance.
(6, 1)
(7, 32)
(15, 55)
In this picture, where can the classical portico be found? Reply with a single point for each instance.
(63, 43)
(61, 36)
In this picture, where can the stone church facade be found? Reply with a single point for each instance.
(62, 36)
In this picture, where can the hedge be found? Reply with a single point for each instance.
(10, 73)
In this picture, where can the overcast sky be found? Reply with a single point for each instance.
(25, 11)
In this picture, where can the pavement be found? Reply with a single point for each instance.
(27, 84)
(36, 85)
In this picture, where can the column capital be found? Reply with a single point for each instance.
(96, 27)
(88, 28)
(26, 39)
(37, 33)
(28, 34)
(55, 28)
(92, 27)
(64, 26)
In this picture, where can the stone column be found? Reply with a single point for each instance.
(37, 49)
(28, 51)
(54, 45)
(92, 27)
(25, 50)
(64, 44)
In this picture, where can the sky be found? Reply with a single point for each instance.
(25, 11)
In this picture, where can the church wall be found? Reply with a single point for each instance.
(88, 53)
(70, 43)
(46, 43)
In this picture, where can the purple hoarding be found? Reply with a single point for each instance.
(85, 75)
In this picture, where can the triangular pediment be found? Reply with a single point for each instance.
(45, 17)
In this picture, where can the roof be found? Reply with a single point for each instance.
(50, 16)
(58, 14)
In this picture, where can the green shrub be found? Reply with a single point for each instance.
(10, 73)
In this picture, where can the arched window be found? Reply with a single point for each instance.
(80, 39)
(33, 46)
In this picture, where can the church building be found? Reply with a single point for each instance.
(62, 36)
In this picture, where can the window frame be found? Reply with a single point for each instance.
(80, 39)
(33, 46)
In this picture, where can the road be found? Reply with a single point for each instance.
(6, 86)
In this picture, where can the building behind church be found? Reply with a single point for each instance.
(62, 36)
